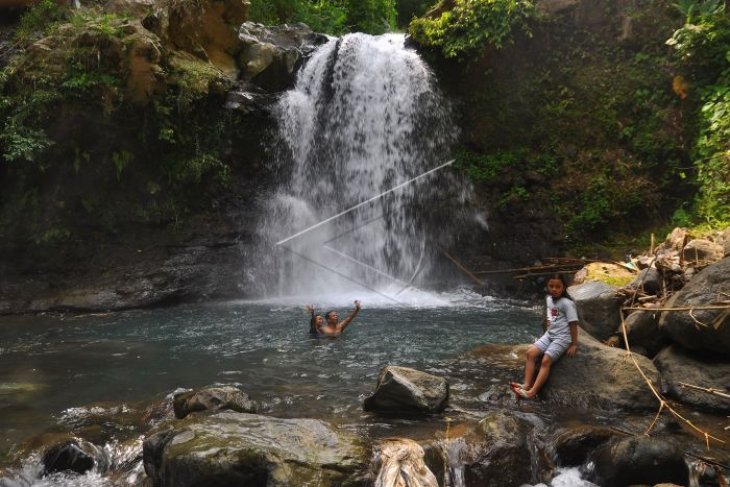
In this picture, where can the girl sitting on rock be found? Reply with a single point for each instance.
(561, 336)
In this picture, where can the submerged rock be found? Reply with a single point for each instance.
(73, 455)
(212, 399)
(246, 449)
(404, 390)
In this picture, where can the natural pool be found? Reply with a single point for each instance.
(97, 375)
(52, 364)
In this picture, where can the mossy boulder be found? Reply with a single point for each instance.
(207, 29)
(245, 449)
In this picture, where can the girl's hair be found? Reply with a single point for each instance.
(313, 323)
(560, 277)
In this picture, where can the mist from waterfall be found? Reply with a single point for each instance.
(364, 117)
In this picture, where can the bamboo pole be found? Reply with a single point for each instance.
(461, 267)
(681, 308)
(662, 402)
(709, 390)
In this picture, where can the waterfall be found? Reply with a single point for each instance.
(363, 118)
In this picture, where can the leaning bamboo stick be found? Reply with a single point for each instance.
(462, 268)
(681, 308)
(662, 402)
(555, 267)
(709, 390)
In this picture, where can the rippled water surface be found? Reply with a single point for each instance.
(51, 365)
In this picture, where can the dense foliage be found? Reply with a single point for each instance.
(473, 24)
(329, 16)
(703, 45)
(62, 105)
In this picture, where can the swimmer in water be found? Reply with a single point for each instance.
(330, 326)
(316, 322)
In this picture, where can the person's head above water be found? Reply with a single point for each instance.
(332, 317)
(557, 287)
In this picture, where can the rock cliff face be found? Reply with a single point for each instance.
(151, 132)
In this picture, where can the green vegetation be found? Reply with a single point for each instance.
(71, 121)
(471, 25)
(703, 47)
(329, 16)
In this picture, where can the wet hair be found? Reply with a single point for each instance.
(560, 277)
(328, 313)
(313, 323)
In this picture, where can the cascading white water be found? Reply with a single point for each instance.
(363, 117)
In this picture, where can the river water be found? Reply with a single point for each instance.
(54, 366)
(97, 375)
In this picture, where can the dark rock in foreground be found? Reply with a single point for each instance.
(679, 366)
(572, 447)
(74, 456)
(404, 390)
(639, 461)
(245, 449)
(496, 452)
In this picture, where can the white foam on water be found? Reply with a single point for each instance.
(389, 297)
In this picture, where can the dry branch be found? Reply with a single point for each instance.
(662, 401)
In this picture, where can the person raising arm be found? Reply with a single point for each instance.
(333, 326)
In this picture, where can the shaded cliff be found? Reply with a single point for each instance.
(576, 128)
(134, 143)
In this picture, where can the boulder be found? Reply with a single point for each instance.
(212, 399)
(610, 273)
(399, 463)
(701, 330)
(601, 376)
(207, 29)
(702, 252)
(271, 55)
(649, 280)
(597, 376)
(73, 455)
(403, 390)
(245, 449)
(573, 446)
(639, 461)
(642, 330)
(493, 452)
(676, 240)
(598, 308)
(678, 366)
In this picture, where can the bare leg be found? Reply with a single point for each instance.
(542, 376)
(533, 353)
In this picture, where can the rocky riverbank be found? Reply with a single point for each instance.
(598, 416)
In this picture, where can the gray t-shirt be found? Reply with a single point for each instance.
(560, 313)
